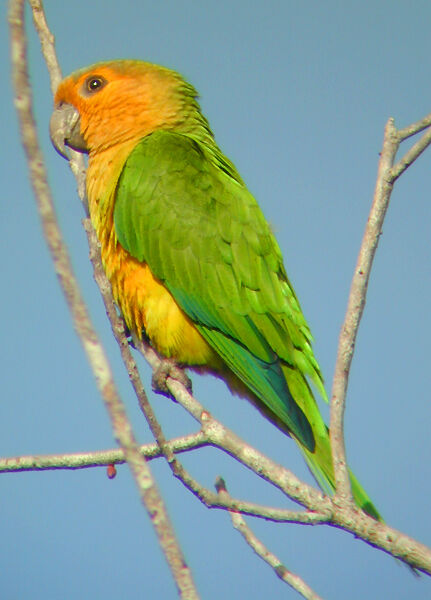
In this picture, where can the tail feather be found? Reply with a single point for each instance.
(318, 455)
(323, 473)
(320, 460)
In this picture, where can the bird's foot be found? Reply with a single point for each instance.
(169, 368)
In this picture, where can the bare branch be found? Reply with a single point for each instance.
(98, 458)
(411, 155)
(47, 42)
(355, 308)
(383, 536)
(225, 439)
(386, 177)
(346, 516)
(76, 162)
(261, 550)
(414, 128)
(147, 487)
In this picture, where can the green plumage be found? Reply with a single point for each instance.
(182, 208)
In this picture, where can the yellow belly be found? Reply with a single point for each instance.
(149, 308)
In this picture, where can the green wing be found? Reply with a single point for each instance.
(182, 208)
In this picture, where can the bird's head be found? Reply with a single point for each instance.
(115, 102)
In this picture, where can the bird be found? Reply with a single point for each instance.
(194, 266)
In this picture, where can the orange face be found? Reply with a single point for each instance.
(116, 102)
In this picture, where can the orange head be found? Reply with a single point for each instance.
(114, 102)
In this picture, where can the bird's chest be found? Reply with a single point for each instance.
(147, 306)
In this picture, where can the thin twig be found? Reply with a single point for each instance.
(225, 439)
(97, 458)
(386, 177)
(411, 155)
(261, 550)
(147, 487)
(46, 38)
(346, 516)
(355, 308)
(414, 128)
(47, 42)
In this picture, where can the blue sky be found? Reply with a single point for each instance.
(297, 94)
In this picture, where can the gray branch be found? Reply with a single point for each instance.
(122, 429)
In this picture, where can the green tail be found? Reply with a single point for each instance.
(320, 460)
(320, 464)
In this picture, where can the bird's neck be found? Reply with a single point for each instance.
(104, 170)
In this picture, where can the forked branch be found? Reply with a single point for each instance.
(386, 176)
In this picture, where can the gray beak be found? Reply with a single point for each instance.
(65, 130)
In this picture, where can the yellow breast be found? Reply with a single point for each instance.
(147, 306)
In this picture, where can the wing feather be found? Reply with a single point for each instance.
(203, 235)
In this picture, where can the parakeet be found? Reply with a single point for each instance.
(193, 264)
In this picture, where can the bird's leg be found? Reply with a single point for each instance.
(169, 368)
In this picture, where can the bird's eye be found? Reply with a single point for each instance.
(94, 84)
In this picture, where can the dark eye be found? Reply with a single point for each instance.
(94, 83)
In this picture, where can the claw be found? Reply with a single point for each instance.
(169, 368)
